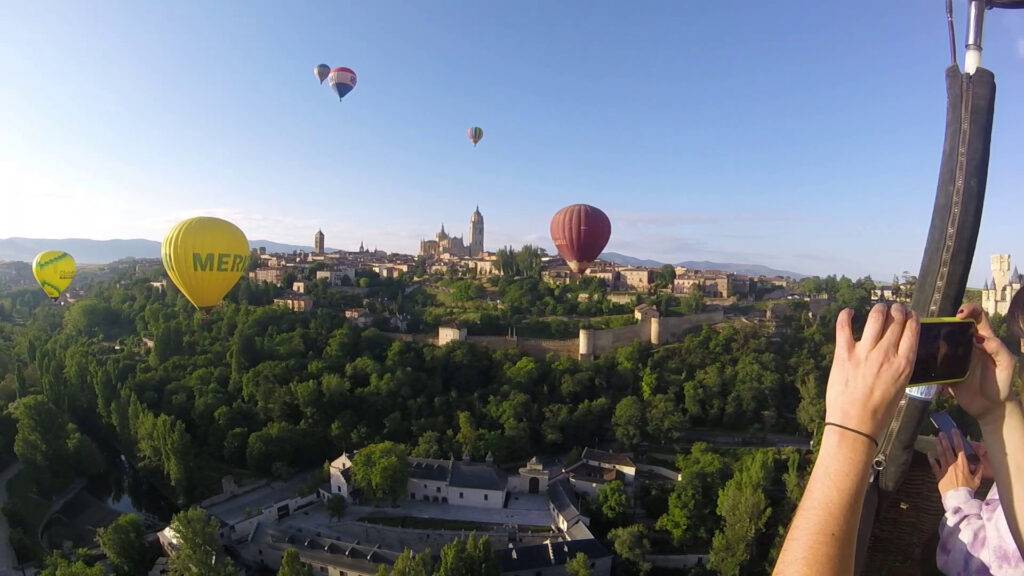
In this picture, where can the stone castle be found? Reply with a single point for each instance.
(996, 296)
(455, 245)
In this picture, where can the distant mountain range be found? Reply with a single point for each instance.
(748, 269)
(103, 251)
(88, 251)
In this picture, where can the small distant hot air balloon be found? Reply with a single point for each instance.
(321, 72)
(476, 134)
(580, 232)
(205, 257)
(342, 81)
(54, 270)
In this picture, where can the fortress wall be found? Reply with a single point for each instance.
(672, 328)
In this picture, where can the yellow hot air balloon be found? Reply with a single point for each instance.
(205, 257)
(54, 270)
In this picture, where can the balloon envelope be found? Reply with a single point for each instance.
(580, 232)
(342, 81)
(54, 270)
(205, 257)
(475, 134)
(321, 72)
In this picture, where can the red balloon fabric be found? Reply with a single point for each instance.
(580, 232)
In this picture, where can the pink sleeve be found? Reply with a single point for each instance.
(962, 533)
(974, 537)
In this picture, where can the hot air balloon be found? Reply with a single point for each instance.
(342, 81)
(476, 134)
(580, 232)
(205, 257)
(321, 72)
(54, 270)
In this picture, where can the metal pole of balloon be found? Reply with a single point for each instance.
(942, 280)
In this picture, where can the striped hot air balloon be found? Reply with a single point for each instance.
(342, 81)
(580, 232)
(321, 72)
(475, 134)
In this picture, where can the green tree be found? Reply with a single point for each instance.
(58, 565)
(628, 421)
(690, 518)
(410, 564)
(124, 543)
(291, 565)
(468, 436)
(468, 557)
(199, 551)
(666, 275)
(744, 509)
(632, 546)
(336, 506)
(41, 440)
(381, 471)
(614, 502)
(578, 565)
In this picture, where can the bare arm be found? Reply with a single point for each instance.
(988, 395)
(866, 382)
(1004, 437)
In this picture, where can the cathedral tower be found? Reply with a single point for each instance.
(318, 242)
(476, 233)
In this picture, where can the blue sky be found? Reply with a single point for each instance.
(803, 135)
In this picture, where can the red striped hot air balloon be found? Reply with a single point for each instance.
(580, 232)
(475, 134)
(342, 80)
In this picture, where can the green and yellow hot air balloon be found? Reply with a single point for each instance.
(205, 257)
(54, 270)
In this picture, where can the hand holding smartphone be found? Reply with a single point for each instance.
(947, 426)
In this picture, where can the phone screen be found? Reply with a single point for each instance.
(943, 352)
(945, 424)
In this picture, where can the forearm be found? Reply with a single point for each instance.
(1004, 438)
(823, 535)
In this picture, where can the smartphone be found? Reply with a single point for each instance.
(943, 351)
(947, 426)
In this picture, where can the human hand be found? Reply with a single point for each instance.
(868, 376)
(986, 465)
(951, 468)
(989, 384)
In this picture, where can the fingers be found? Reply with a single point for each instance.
(907, 350)
(978, 473)
(945, 452)
(874, 327)
(976, 313)
(958, 443)
(844, 331)
(994, 347)
(894, 327)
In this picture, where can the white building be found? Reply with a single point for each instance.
(996, 297)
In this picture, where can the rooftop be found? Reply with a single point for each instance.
(235, 509)
(541, 556)
(595, 474)
(479, 476)
(611, 458)
(429, 469)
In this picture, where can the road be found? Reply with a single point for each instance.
(7, 558)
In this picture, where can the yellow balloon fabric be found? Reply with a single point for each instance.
(54, 270)
(205, 257)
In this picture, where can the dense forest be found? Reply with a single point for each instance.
(188, 397)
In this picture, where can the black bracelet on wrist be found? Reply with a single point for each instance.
(855, 431)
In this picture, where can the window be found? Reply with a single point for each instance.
(460, 495)
(412, 495)
(485, 496)
(438, 489)
(424, 486)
